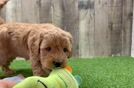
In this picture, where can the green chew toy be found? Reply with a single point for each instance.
(59, 78)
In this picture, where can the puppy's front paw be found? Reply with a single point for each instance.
(45, 72)
(9, 72)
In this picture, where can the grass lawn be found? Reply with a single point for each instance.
(111, 72)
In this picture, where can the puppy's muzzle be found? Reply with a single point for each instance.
(57, 63)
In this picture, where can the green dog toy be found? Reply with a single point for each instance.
(59, 78)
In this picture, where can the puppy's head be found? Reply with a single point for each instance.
(55, 49)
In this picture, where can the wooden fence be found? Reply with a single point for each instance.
(99, 27)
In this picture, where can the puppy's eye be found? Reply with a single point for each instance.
(65, 50)
(48, 49)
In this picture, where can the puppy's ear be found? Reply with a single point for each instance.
(70, 54)
(34, 42)
(70, 44)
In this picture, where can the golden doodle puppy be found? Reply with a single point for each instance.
(46, 45)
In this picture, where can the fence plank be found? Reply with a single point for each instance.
(132, 44)
(18, 9)
(86, 28)
(30, 11)
(115, 24)
(11, 11)
(57, 13)
(22, 11)
(45, 11)
(102, 32)
(71, 22)
(127, 27)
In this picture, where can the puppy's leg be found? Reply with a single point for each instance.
(7, 70)
(5, 66)
(34, 48)
(37, 68)
(34, 43)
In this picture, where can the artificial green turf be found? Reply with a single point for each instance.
(111, 72)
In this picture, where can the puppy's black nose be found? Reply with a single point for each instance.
(57, 64)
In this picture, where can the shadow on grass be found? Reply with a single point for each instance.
(24, 72)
